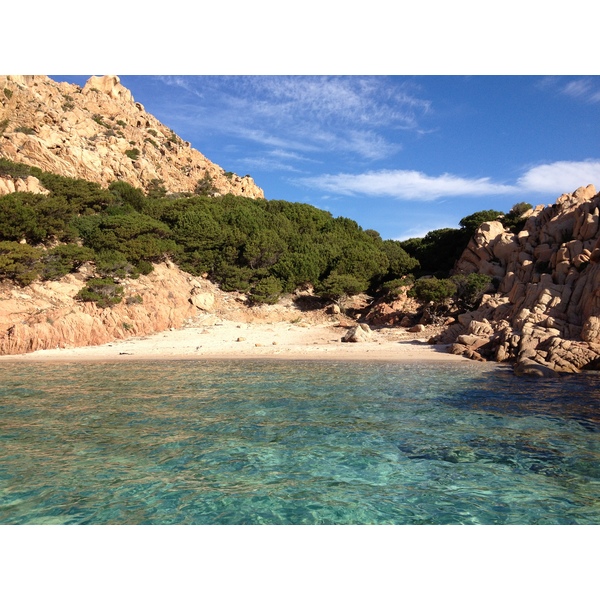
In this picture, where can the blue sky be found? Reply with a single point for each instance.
(399, 154)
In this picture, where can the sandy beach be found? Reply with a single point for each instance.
(216, 338)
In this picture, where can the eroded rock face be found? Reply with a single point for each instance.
(90, 133)
(47, 315)
(547, 310)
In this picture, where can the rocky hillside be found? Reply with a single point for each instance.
(546, 314)
(99, 133)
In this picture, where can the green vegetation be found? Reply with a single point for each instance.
(3, 125)
(133, 154)
(104, 292)
(471, 223)
(434, 290)
(8, 93)
(514, 219)
(259, 247)
(205, 186)
(100, 120)
(26, 130)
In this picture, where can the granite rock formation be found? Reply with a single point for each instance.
(99, 133)
(545, 316)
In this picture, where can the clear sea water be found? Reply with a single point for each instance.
(293, 442)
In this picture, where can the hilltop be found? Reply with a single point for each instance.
(101, 134)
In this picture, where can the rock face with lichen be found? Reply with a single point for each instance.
(546, 314)
(99, 133)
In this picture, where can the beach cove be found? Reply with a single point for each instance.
(219, 338)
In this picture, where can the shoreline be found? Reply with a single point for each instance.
(230, 340)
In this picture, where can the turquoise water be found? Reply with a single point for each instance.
(244, 442)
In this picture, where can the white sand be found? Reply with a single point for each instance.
(222, 339)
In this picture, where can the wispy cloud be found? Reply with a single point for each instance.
(351, 115)
(583, 89)
(554, 178)
(180, 82)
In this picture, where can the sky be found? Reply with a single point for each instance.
(399, 154)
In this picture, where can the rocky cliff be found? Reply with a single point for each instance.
(546, 314)
(101, 134)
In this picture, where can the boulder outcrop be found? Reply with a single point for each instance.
(547, 309)
(99, 133)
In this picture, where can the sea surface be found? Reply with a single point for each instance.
(296, 442)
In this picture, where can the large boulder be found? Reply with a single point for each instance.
(359, 333)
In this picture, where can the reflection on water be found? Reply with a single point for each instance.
(296, 442)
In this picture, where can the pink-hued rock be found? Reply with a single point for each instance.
(550, 289)
(86, 132)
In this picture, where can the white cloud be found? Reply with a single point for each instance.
(561, 177)
(407, 185)
(554, 178)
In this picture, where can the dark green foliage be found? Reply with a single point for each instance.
(3, 125)
(123, 238)
(260, 247)
(64, 259)
(266, 291)
(395, 286)
(438, 250)
(104, 292)
(514, 220)
(25, 129)
(133, 154)
(156, 189)
(471, 223)
(339, 286)
(433, 290)
(112, 263)
(121, 123)
(400, 262)
(81, 196)
(8, 93)
(20, 262)
(19, 219)
(153, 132)
(205, 186)
(15, 170)
(127, 194)
(470, 288)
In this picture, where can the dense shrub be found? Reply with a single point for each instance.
(64, 259)
(104, 292)
(20, 262)
(471, 223)
(266, 291)
(514, 220)
(470, 288)
(436, 291)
